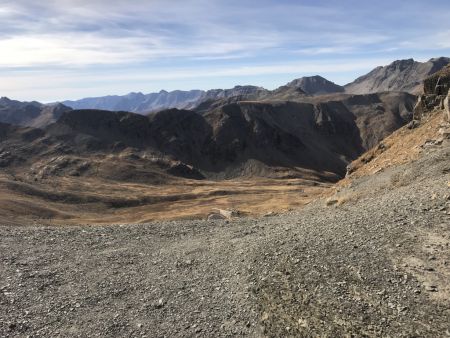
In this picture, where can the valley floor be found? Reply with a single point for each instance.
(375, 263)
(75, 201)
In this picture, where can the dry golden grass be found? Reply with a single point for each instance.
(68, 200)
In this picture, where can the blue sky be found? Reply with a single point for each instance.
(69, 49)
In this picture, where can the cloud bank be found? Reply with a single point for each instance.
(52, 50)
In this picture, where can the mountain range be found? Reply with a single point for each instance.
(402, 75)
(245, 138)
(309, 124)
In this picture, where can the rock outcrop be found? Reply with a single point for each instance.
(436, 90)
(438, 83)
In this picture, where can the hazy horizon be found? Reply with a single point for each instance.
(72, 49)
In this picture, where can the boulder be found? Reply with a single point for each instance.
(213, 217)
(227, 213)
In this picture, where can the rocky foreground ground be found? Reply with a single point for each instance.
(374, 260)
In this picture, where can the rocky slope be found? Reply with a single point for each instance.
(401, 75)
(31, 114)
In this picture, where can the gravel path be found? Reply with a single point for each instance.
(376, 265)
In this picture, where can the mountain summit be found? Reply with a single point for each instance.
(315, 85)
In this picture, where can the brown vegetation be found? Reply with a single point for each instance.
(71, 200)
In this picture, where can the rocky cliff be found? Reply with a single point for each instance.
(436, 89)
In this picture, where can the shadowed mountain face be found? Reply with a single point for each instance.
(31, 114)
(323, 135)
(376, 115)
(98, 129)
(284, 134)
(402, 75)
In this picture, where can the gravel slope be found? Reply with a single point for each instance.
(376, 265)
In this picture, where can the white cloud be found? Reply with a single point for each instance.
(88, 49)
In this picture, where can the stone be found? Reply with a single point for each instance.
(270, 214)
(445, 133)
(214, 216)
(226, 213)
(413, 124)
(159, 304)
(431, 288)
(331, 202)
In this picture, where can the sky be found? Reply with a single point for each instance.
(54, 50)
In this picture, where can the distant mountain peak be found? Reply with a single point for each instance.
(315, 85)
